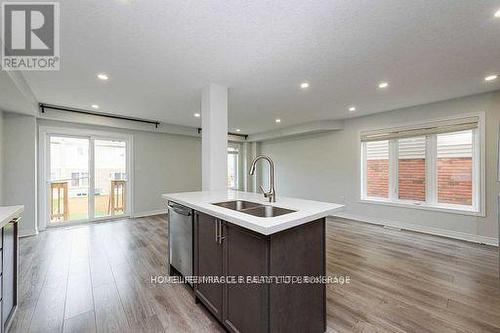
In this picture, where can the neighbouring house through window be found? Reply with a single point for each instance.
(434, 165)
(75, 179)
(455, 168)
(411, 168)
(377, 168)
(232, 166)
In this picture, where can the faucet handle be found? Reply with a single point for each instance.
(270, 195)
(263, 191)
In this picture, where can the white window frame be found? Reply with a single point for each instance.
(478, 174)
(237, 162)
(44, 134)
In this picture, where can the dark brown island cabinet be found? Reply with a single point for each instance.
(9, 249)
(222, 249)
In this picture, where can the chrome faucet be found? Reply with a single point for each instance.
(271, 194)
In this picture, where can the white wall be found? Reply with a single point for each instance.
(19, 167)
(162, 163)
(326, 167)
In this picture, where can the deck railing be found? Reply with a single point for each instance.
(64, 208)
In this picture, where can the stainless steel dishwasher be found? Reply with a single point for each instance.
(180, 238)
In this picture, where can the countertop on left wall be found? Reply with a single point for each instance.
(7, 213)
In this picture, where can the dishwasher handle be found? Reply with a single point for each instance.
(179, 209)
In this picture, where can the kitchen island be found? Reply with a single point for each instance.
(258, 266)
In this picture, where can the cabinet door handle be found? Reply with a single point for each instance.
(220, 234)
(216, 230)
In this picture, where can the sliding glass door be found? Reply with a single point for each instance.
(69, 179)
(110, 181)
(87, 178)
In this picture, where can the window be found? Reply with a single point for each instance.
(436, 166)
(454, 168)
(232, 167)
(411, 168)
(75, 179)
(377, 168)
(85, 179)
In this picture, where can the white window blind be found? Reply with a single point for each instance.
(412, 148)
(411, 169)
(454, 125)
(458, 144)
(377, 150)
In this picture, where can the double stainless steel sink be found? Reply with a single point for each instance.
(253, 208)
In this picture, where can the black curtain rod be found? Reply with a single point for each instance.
(245, 136)
(108, 115)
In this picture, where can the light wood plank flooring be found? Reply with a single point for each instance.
(97, 278)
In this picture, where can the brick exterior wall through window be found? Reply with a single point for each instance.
(411, 179)
(377, 178)
(454, 179)
(453, 170)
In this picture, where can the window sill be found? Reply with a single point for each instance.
(461, 210)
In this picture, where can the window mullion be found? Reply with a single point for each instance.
(91, 168)
(364, 177)
(431, 169)
(476, 175)
(393, 170)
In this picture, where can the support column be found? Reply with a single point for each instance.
(214, 138)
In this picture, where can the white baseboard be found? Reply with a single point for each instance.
(27, 233)
(150, 213)
(420, 228)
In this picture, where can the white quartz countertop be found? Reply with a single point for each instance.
(8, 213)
(306, 210)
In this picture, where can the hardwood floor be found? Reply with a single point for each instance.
(97, 278)
(404, 281)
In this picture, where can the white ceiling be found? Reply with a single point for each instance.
(159, 54)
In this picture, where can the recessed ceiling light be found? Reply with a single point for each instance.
(497, 14)
(102, 76)
(95, 106)
(197, 115)
(352, 109)
(238, 130)
(383, 85)
(278, 120)
(304, 85)
(491, 77)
